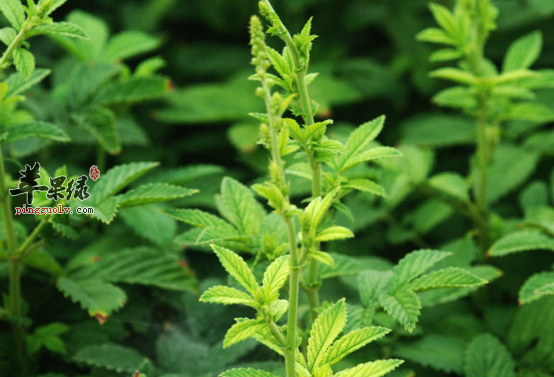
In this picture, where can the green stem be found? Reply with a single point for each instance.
(23, 248)
(483, 160)
(15, 43)
(294, 287)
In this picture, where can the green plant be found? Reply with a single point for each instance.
(335, 170)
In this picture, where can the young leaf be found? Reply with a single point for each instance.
(119, 177)
(104, 210)
(24, 62)
(7, 35)
(521, 241)
(370, 155)
(451, 184)
(372, 369)
(487, 356)
(18, 85)
(327, 326)
(353, 341)
(334, 233)
(153, 193)
(404, 306)
(14, 12)
(96, 297)
(358, 140)
(41, 130)
(111, 357)
(446, 278)
(454, 74)
(416, 263)
(537, 286)
(237, 268)
(365, 185)
(371, 284)
(445, 19)
(435, 35)
(100, 122)
(220, 294)
(275, 277)
(242, 330)
(523, 52)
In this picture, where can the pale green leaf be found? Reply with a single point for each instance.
(14, 12)
(445, 19)
(198, 218)
(334, 233)
(275, 277)
(454, 74)
(404, 306)
(24, 62)
(521, 241)
(237, 268)
(162, 228)
(242, 330)
(487, 356)
(325, 329)
(94, 296)
(372, 369)
(358, 140)
(41, 130)
(220, 294)
(153, 193)
(18, 85)
(322, 257)
(371, 284)
(7, 35)
(353, 341)
(67, 29)
(451, 184)
(105, 210)
(536, 287)
(523, 52)
(435, 35)
(450, 277)
(370, 155)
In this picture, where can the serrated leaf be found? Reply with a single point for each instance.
(242, 330)
(110, 356)
(458, 97)
(416, 263)
(100, 123)
(238, 205)
(237, 268)
(523, 52)
(94, 296)
(198, 218)
(334, 233)
(275, 277)
(246, 372)
(221, 294)
(435, 35)
(353, 341)
(24, 62)
(450, 277)
(41, 130)
(106, 210)
(128, 44)
(372, 369)
(536, 287)
(132, 90)
(365, 185)
(370, 155)
(358, 140)
(327, 326)
(371, 284)
(67, 29)
(404, 306)
(14, 12)
(119, 177)
(322, 257)
(142, 265)
(487, 356)
(521, 241)
(153, 193)
(161, 228)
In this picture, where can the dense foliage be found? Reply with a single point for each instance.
(233, 157)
